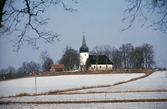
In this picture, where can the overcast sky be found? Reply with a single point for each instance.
(100, 20)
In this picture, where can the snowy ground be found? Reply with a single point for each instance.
(134, 105)
(153, 87)
(156, 81)
(89, 97)
(45, 84)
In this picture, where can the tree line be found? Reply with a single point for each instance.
(28, 68)
(127, 56)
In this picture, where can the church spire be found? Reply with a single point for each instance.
(83, 41)
(84, 48)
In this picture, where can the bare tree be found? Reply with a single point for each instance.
(97, 51)
(11, 70)
(3, 72)
(44, 55)
(148, 55)
(46, 61)
(21, 72)
(107, 49)
(70, 58)
(33, 66)
(137, 58)
(25, 67)
(28, 17)
(47, 64)
(29, 67)
(135, 11)
(143, 56)
(128, 56)
(126, 50)
(117, 58)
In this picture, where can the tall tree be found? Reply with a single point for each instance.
(7, 73)
(117, 58)
(97, 51)
(143, 56)
(148, 55)
(11, 71)
(70, 58)
(33, 66)
(3, 72)
(44, 55)
(46, 61)
(137, 58)
(126, 52)
(29, 67)
(47, 64)
(128, 56)
(21, 72)
(107, 49)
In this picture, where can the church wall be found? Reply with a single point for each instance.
(100, 67)
(83, 57)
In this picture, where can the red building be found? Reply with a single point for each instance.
(57, 67)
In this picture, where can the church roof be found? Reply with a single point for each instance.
(84, 48)
(101, 59)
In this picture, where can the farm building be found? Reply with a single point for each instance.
(57, 67)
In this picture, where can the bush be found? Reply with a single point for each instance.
(22, 94)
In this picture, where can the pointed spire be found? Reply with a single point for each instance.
(83, 41)
(84, 48)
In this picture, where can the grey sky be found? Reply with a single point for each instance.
(100, 20)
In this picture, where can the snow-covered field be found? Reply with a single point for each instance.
(156, 81)
(124, 105)
(45, 84)
(153, 87)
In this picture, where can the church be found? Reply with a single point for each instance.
(96, 62)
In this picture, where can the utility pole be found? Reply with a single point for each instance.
(35, 84)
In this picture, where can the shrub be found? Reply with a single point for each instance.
(22, 94)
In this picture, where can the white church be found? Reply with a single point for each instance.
(100, 62)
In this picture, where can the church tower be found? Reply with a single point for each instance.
(84, 53)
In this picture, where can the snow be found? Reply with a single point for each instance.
(124, 105)
(156, 81)
(45, 84)
(89, 97)
(151, 87)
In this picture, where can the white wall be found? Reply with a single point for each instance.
(83, 57)
(100, 67)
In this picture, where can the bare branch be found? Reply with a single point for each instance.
(160, 24)
(134, 11)
(2, 4)
(22, 20)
